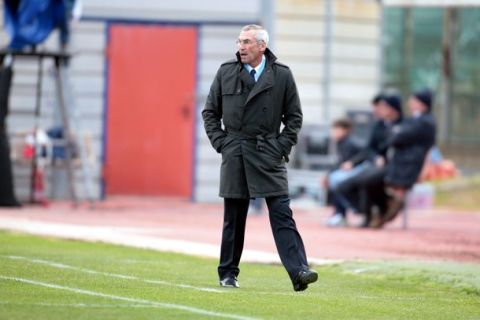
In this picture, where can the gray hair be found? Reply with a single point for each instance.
(260, 33)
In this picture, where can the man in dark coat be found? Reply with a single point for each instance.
(253, 95)
(410, 143)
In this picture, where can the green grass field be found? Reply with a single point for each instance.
(45, 278)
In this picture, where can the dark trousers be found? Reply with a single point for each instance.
(287, 239)
(365, 189)
(374, 189)
(340, 203)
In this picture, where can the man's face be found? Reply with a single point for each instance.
(338, 133)
(416, 106)
(386, 112)
(250, 49)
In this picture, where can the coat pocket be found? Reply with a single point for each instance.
(226, 142)
(232, 106)
(273, 149)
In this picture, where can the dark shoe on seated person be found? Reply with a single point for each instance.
(229, 282)
(303, 279)
(395, 205)
(377, 222)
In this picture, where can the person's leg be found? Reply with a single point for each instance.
(396, 202)
(367, 184)
(373, 192)
(399, 192)
(339, 216)
(234, 220)
(339, 205)
(348, 189)
(287, 238)
(349, 193)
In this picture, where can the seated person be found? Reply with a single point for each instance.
(346, 149)
(361, 189)
(376, 144)
(410, 143)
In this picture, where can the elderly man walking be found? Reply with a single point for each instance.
(253, 95)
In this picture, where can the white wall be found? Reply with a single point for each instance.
(355, 67)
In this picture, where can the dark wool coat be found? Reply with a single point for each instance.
(377, 144)
(410, 145)
(253, 148)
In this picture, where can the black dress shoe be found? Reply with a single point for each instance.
(303, 279)
(229, 282)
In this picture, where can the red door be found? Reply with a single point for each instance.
(150, 114)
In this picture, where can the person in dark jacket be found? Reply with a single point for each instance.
(409, 145)
(369, 181)
(346, 148)
(253, 95)
(377, 144)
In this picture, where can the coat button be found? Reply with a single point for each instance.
(264, 109)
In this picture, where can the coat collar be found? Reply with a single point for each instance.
(266, 80)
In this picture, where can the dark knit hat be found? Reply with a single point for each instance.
(394, 101)
(425, 96)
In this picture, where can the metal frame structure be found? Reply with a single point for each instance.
(60, 58)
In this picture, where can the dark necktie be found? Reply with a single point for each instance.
(252, 74)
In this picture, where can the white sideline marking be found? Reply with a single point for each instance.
(133, 300)
(366, 269)
(127, 277)
(108, 274)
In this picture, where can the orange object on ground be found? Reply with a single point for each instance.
(445, 169)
